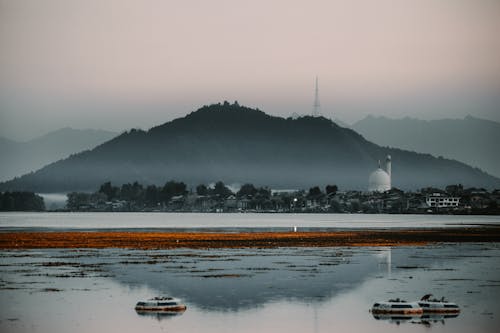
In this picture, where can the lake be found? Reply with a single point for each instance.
(233, 221)
(245, 290)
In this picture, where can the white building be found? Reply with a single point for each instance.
(441, 201)
(380, 180)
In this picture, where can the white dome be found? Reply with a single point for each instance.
(379, 181)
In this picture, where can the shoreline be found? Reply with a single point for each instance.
(208, 240)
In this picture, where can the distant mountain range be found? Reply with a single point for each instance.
(237, 144)
(18, 158)
(470, 140)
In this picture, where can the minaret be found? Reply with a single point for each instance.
(316, 105)
(388, 169)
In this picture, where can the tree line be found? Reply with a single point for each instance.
(152, 195)
(21, 201)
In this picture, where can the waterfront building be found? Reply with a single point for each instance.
(438, 200)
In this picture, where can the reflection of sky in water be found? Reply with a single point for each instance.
(229, 221)
(247, 290)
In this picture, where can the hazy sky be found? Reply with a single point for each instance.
(116, 64)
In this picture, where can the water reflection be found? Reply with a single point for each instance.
(159, 315)
(235, 280)
(425, 319)
(232, 221)
(247, 290)
(397, 318)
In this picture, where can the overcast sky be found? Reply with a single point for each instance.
(117, 64)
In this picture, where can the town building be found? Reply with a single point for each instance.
(438, 200)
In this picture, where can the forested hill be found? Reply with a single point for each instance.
(237, 144)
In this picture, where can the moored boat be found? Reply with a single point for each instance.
(396, 306)
(429, 305)
(160, 304)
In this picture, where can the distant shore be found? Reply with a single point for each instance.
(172, 240)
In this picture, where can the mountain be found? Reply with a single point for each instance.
(470, 140)
(21, 157)
(237, 144)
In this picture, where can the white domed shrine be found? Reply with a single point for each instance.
(380, 180)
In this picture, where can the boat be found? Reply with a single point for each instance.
(160, 304)
(396, 306)
(429, 305)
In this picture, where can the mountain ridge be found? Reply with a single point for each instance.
(470, 140)
(19, 158)
(237, 144)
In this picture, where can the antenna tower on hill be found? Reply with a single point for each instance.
(316, 106)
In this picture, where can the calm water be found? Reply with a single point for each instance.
(247, 290)
(244, 290)
(9, 221)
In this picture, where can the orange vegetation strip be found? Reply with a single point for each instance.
(168, 240)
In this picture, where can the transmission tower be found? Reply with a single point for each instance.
(316, 106)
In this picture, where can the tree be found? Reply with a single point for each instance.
(21, 201)
(131, 192)
(263, 193)
(110, 191)
(221, 190)
(247, 190)
(97, 198)
(171, 189)
(76, 200)
(6, 202)
(262, 198)
(152, 195)
(202, 189)
(314, 192)
(331, 189)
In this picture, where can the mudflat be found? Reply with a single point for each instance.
(170, 240)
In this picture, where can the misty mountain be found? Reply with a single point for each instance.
(237, 144)
(470, 140)
(18, 158)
